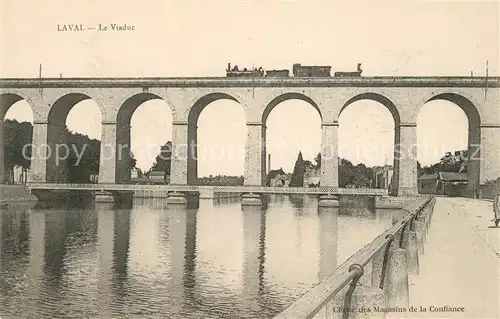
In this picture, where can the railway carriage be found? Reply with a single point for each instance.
(298, 71)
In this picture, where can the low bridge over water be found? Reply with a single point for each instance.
(216, 189)
(251, 194)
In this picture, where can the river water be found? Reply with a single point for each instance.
(215, 261)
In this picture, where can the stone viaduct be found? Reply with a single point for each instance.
(52, 99)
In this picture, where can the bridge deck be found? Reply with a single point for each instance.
(380, 81)
(459, 267)
(216, 189)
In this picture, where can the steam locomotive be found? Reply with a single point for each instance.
(298, 70)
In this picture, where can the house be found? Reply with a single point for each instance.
(490, 189)
(382, 177)
(94, 178)
(286, 179)
(20, 175)
(281, 180)
(451, 183)
(278, 178)
(135, 173)
(274, 177)
(312, 176)
(427, 183)
(159, 177)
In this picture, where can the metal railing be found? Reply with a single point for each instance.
(349, 273)
(389, 81)
(216, 189)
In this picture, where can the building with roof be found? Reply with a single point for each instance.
(490, 189)
(278, 178)
(382, 177)
(19, 175)
(427, 183)
(272, 176)
(451, 183)
(281, 180)
(312, 177)
(135, 172)
(158, 177)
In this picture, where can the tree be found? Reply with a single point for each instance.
(17, 149)
(456, 162)
(132, 161)
(298, 172)
(220, 180)
(163, 159)
(317, 159)
(358, 175)
(367, 172)
(16, 137)
(346, 172)
(309, 164)
(79, 170)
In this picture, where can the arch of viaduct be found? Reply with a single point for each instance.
(52, 99)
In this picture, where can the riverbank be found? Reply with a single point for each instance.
(15, 194)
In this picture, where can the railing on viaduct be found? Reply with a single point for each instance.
(215, 189)
(379, 81)
(374, 280)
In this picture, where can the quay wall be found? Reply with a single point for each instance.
(489, 191)
(15, 193)
(392, 202)
(370, 202)
(377, 275)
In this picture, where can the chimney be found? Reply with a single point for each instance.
(268, 163)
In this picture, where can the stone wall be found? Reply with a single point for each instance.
(392, 202)
(489, 191)
(15, 193)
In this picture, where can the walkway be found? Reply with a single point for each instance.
(204, 188)
(460, 264)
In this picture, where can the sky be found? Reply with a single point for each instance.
(194, 38)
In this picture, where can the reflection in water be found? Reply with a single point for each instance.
(53, 272)
(328, 237)
(217, 260)
(254, 236)
(14, 254)
(182, 240)
(357, 205)
(114, 241)
(189, 281)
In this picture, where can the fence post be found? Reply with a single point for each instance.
(419, 229)
(396, 286)
(390, 273)
(377, 267)
(410, 246)
(365, 300)
(360, 301)
(432, 203)
(366, 279)
(426, 214)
